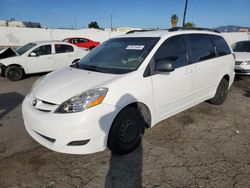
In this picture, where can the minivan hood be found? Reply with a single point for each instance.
(242, 56)
(63, 84)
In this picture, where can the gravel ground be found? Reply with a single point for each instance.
(205, 146)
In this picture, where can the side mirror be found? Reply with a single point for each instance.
(33, 54)
(164, 66)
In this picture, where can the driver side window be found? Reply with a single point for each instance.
(174, 50)
(42, 50)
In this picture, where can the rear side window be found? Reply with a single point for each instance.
(62, 48)
(43, 50)
(200, 48)
(173, 49)
(221, 46)
(82, 40)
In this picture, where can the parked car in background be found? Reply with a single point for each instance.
(82, 42)
(35, 57)
(242, 53)
(129, 83)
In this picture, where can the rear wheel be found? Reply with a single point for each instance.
(91, 48)
(221, 92)
(14, 73)
(126, 132)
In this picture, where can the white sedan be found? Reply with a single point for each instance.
(38, 57)
(242, 52)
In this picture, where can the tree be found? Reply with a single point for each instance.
(174, 20)
(94, 24)
(189, 25)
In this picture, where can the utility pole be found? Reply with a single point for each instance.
(111, 21)
(184, 16)
(75, 23)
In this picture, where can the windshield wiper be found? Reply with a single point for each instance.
(91, 68)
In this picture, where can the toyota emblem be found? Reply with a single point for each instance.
(34, 102)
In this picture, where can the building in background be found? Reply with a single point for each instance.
(14, 23)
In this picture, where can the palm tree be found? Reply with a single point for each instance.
(174, 20)
(189, 25)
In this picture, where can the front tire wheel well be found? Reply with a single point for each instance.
(144, 111)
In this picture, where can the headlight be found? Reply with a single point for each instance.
(246, 63)
(35, 84)
(83, 101)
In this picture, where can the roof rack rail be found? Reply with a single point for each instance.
(195, 28)
(140, 30)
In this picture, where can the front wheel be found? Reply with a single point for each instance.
(1, 71)
(126, 131)
(14, 73)
(221, 92)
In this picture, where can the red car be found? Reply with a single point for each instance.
(82, 42)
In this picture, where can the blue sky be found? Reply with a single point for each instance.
(133, 13)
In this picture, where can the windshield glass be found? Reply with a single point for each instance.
(241, 47)
(118, 56)
(25, 48)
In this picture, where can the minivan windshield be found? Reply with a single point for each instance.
(118, 55)
(243, 46)
(25, 48)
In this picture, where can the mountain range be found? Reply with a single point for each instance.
(230, 28)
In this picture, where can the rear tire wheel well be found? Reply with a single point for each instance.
(227, 77)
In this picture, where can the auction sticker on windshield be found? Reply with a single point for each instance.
(134, 47)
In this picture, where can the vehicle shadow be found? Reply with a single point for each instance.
(8, 102)
(238, 78)
(124, 170)
(27, 76)
(247, 94)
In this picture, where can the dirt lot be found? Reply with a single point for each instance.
(205, 146)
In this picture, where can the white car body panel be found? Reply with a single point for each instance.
(164, 94)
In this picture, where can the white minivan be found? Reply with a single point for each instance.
(127, 84)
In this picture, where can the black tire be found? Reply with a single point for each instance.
(91, 47)
(14, 73)
(1, 71)
(221, 93)
(126, 131)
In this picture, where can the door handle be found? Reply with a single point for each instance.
(197, 68)
(188, 71)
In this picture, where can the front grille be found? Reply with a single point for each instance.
(44, 110)
(78, 142)
(49, 103)
(241, 71)
(47, 138)
(44, 106)
(238, 62)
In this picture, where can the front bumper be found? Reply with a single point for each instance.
(57, 131)
(244, 70)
